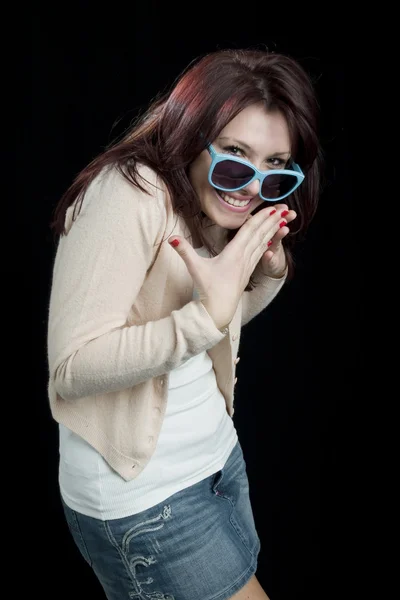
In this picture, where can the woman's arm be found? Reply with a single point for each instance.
(261, 296)
(99, 270)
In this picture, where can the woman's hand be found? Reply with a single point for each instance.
(221, 280)
(273, 261)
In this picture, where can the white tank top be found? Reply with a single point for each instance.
(196, 438)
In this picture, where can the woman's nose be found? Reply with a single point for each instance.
(253, 188)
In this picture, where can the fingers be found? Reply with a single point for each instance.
(250, 232)
(266, 218)
(186, 252)
(251, 240)
(270, 235)
(274, 243)
(265, 230)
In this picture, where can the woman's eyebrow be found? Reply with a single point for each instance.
(249, 148)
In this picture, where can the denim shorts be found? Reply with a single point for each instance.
(198, 544)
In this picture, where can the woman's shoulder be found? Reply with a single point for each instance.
(113, 195)
(136, 183)
(129, 189)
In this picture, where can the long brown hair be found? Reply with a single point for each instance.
(176, 127)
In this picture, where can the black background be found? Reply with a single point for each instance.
(91, 71)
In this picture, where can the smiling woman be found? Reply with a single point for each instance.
(266, 133)
(170, 241)
(231, 173)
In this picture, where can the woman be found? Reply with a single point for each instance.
(169, 242)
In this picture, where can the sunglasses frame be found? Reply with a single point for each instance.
(218, 157)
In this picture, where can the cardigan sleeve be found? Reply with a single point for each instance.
(99, 269)
(256, 300)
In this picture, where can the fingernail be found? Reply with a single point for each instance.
(269, 243)
(272, 212)
(174, 243)
(282, 224)
(284, 213)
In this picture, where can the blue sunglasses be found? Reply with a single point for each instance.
(230, 173)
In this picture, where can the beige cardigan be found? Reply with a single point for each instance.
(121, 316)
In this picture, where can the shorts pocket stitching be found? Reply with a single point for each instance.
(131, 562)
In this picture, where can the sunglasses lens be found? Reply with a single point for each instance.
(231, 175)
(275, 186)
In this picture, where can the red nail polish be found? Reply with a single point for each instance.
(272, 212)
(269, 243)
(174, 243)
(284, 213)
(282, 224)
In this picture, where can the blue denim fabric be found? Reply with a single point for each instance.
(199, 544)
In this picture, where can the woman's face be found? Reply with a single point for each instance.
(256, 135)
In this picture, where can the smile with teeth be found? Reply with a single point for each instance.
(233, 201)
